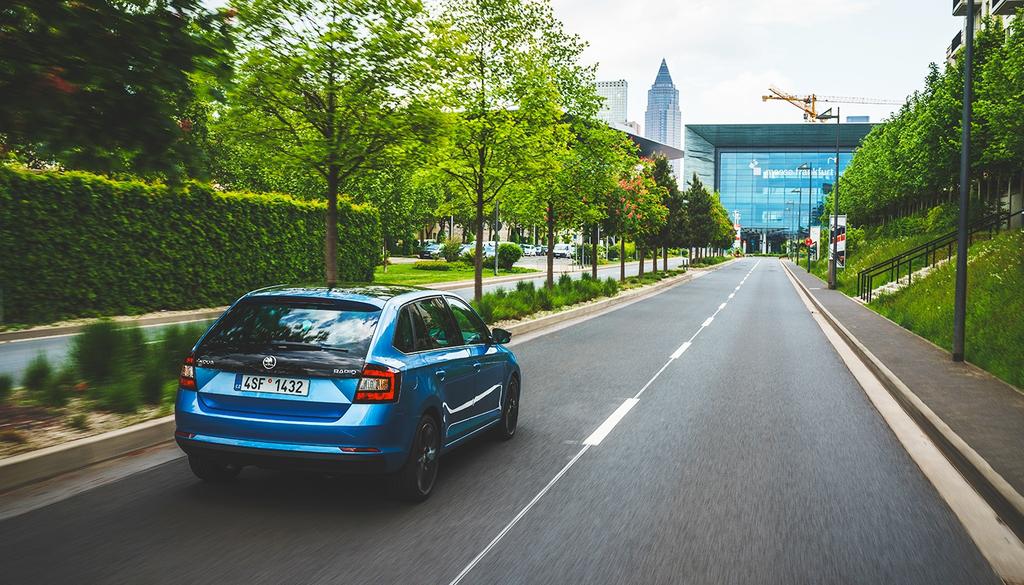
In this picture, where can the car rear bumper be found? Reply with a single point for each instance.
(252, 439)
(273, 457)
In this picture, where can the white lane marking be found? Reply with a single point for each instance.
(722, 306)
(609, 423)
(995, 540)
(707, 322)
(458, 578)
(682, 348)
(653, 378)
(731, 295)
(594, 439)
(737, 287)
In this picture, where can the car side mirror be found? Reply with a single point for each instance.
(501, 336)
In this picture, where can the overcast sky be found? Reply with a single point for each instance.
(723, 54)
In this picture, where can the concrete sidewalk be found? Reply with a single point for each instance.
(984, 411)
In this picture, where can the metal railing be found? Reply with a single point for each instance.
(927, 254)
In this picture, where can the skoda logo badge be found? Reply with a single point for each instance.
(269, 362)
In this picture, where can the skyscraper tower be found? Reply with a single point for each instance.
(663, 120)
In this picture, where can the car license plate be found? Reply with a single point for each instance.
(272, 385)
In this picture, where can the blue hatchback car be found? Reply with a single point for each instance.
(362, 379)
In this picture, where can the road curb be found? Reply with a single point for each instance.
(42, 464)
(993, 487)
(156, 319)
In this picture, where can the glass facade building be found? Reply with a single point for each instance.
(770, 190)
(756, 170)
(663, 120)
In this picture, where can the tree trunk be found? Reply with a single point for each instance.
(593, 251)
(642, 255)
(622, 259)
(551, 246)
(331, 233)
(664, 258)
(654, 260)
(478, 260)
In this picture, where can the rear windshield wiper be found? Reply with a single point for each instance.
(303, 345)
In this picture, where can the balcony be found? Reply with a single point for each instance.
(1006, 7)
(954, 47)
(960, 7)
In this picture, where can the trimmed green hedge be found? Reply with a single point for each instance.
(78, 245)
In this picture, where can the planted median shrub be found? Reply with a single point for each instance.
(508, 255)
(450, 250)
(37, 374)
(77, 244)
(6, 386)
(526, 299)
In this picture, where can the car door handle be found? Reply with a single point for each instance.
(440, 374)
(478, 365)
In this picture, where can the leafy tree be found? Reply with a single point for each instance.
(335, 87)
(673, 233)
(511, 76)
(107, 85)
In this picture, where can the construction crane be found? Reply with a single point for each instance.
(809, 104)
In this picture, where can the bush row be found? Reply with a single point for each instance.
(527, 299)
(75, 244)
(115, 368)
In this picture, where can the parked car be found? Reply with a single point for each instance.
(528, 250)
(542, 250)
(563, 251)
(370, 379)
(430, 251)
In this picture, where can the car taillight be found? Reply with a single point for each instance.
(378, 384)
(187, 378)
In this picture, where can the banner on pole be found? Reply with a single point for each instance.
(815, 240)
(839, 238)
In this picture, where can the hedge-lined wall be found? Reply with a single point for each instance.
(75, 244)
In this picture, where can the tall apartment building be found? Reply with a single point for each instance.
(616, 97)
(982, 8)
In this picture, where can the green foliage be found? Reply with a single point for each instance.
(508, 255)
(37, 374)
(526, 299)
(6, 386)
(436, 265)
(98, 349)
(174, 345)
(58, 389)
(914, 157)
(107, 85)
(79, 421)
(334, 88)
(122, 395)
(995, 279)
(450, 250)
(511, 75)
(90, 246)
(152, 381)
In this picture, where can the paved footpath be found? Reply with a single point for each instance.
(987, 413)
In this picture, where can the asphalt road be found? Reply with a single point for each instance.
(16, 355)
(752, 458)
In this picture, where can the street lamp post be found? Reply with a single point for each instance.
(835, 203)
(960, 299)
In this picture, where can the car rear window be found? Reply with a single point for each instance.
(346, 327)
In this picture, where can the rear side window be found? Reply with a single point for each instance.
(345, 327)
(404, 340)
(432, 325)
